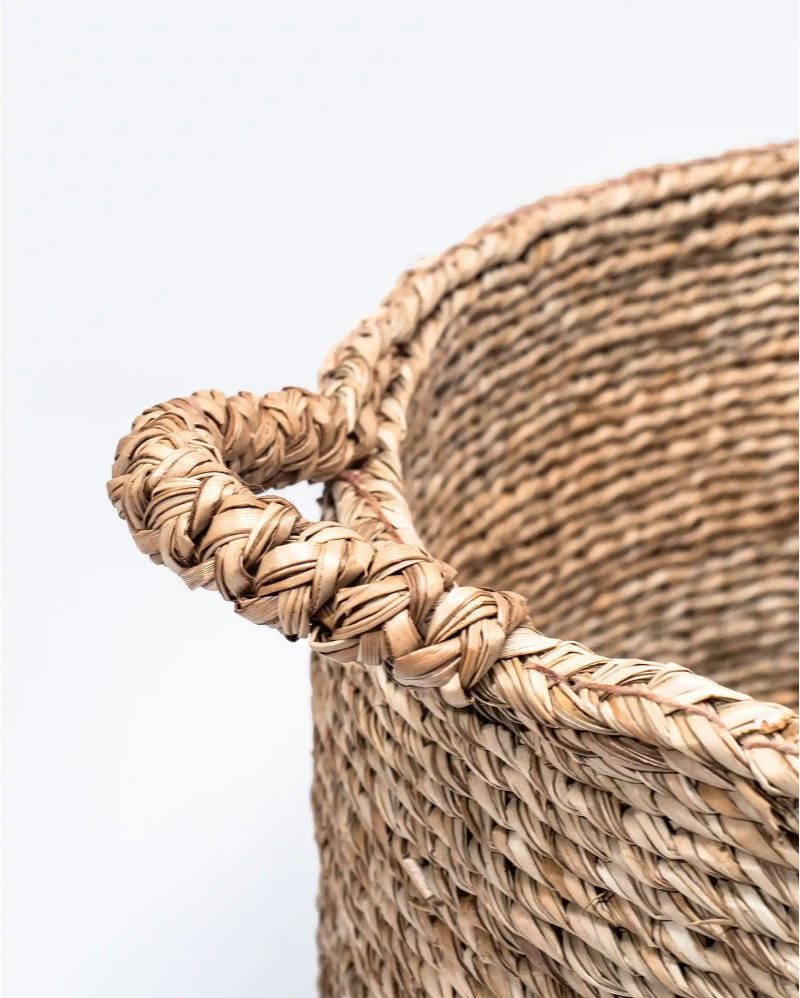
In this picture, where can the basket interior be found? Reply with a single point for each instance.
(609, 427)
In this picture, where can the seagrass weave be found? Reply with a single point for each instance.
(576, 430)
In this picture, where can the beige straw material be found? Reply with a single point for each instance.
(581, 421)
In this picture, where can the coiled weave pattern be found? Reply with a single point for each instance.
(581, 421)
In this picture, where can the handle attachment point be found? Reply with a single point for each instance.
(186, 480)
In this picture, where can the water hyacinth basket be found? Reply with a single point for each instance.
(560, 458)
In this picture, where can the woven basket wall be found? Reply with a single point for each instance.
(576, 430)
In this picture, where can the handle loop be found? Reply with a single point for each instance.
(184, 481)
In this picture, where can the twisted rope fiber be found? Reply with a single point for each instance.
(592, 400)
(415, 790)
(519, 802)
(676, 859)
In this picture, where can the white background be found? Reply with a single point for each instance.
(210, 195)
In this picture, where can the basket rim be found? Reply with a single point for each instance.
(537, 678)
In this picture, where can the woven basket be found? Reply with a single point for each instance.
(590, 402)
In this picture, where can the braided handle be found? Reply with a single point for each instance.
(184, 481)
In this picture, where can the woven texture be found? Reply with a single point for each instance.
(580, 422)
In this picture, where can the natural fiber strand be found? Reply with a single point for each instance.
(582, 422)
